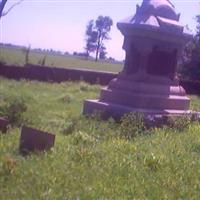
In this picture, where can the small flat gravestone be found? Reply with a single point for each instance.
(4, 124)
(33, 140)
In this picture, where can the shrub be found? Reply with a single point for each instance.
(131, 125)
(82, 138)
(67, 98)
(69, 126)
(84, 86)
(179, 123)
(152, 162)
(8, 165)
(14, 110)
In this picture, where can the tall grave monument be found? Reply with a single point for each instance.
(153, 41)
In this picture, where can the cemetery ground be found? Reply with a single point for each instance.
(16, 56)
(93, 159)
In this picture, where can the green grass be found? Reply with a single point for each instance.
(195, 103)
(17, 57)
(91, 160)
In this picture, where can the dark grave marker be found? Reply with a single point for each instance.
(4, 124)
(33, 140)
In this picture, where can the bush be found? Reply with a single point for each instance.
(83, 138)
(8, 166)
(131, 125)
(179, 123)
(190, 68)
(152, 162)
(14, 109)
(69, 126)
(66, 98)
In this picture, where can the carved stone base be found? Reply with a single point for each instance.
(124, 96)
(117, 111)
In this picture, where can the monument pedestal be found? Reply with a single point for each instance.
(116, 111)
(149, 95)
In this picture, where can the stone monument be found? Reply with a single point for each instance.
(153, 41)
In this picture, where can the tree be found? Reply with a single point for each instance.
(191, 67)
(91, 38)
(102, 53)
(103, 26)
(198, 26)
(96, 33)
(2, 6)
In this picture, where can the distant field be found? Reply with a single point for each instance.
(13, 56)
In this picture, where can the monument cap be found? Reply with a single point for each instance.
(155, 15)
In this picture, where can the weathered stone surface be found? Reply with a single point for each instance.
(154, 14)
(3, 124)
(110, 109)
(33, 140)
(153, 41)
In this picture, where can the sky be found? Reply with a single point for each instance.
(61, 24)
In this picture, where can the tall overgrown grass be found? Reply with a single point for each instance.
(94, 159)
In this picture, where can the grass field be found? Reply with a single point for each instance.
(91, 158)
(13, 56)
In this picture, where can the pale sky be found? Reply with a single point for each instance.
(61, 24)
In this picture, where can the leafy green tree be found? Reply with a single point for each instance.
(103, 26)
(91, 38)
(198, 26)
(102, 54)
(191, 67)
(96, 33)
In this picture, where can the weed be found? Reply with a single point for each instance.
(69, 126)
(96, 115)
(8, 165)
(131, 125)
(82, 138)
(84, 86)
(152, 162)
(66, 98)
(179, 123)
(14, 109)
(195, 147)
